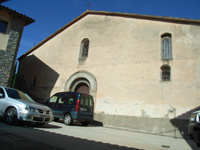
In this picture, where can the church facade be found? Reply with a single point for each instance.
(143, 71)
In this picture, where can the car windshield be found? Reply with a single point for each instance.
(12, 93)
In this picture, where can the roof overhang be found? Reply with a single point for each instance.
(27, 19)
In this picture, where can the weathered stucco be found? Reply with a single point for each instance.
(125, 58)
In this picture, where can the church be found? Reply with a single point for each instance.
(142, 70)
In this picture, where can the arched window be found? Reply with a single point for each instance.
(166, 46)
(165, 73)
(84, 48)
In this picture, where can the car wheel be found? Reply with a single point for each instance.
(191, 136)
(198, 144)
(11, 116)
(85, 123)
(68, 119)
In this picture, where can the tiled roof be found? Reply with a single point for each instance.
(27, 19)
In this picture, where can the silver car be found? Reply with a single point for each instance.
(16, 105)
(194, 127)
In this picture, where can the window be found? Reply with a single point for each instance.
(53, 99)
(2, 95)
(3, 26)
(165, 73)
(166, 46)
(71, 100)
(62, 99)
(84, 48)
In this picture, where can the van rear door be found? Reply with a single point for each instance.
(86, 106)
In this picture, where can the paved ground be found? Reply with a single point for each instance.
(57, 136)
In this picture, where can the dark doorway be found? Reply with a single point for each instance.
(82, 88)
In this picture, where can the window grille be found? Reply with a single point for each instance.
(166, 46)
(84, 49)
(165, 73)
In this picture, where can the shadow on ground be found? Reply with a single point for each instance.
(26, 137)
(182, 125)
(94, 123)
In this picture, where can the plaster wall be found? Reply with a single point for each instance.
(4, 36)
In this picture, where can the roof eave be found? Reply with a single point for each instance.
(12, 12)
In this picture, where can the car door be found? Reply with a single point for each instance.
(2, 100)
(52, 103)
(61, 106)
(86, 106)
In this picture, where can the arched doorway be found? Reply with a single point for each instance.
(81, 85)
(82, 88)
(83, 82)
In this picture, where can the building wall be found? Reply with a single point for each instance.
(125, 59)
(9, 44)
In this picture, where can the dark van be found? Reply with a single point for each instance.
(72, 107)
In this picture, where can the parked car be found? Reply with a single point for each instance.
(16, 105)
(72, 107)
(194, 127)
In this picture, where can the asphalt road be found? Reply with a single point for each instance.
(57, 136)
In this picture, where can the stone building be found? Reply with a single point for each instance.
(11, 27)
(143, 71)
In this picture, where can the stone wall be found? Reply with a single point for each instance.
(159, 126)
(8, 56)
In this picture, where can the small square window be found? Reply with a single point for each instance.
(165, 73)
(3, 26)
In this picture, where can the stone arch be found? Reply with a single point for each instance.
(82, 77)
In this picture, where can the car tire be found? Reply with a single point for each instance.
(85, 123)
(191, 136)
(11, 116)
(68, 119)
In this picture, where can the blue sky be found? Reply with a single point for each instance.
(51, 15)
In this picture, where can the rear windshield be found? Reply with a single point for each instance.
(86, 101)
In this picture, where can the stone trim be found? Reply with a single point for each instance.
(82, 76)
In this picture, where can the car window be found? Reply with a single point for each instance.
(82, 102)
(12, 93)
(71, 100)
(90, 102)
(62, 99)
(25, 96)
(2, 94)
(86, 101)
(53, 99)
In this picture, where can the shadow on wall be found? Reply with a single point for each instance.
(181, 124)
(35, 78)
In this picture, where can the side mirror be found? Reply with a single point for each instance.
(45, 101)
